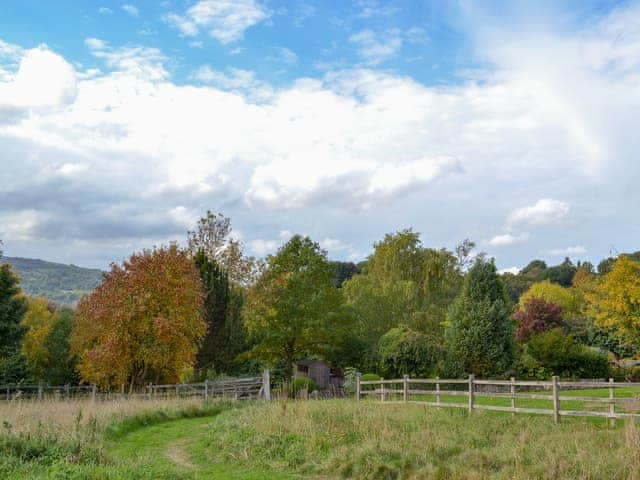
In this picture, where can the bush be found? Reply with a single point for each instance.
(560, 354)
(406, 352)
(369, 377)
(302, 383)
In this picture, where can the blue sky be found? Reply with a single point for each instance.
(512, 123)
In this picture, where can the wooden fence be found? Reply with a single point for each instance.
(231, 388)
(430, 392)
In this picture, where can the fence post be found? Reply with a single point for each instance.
(93, 392)
(381, 389)
(438, 390)
(40, 391)
(206, 390)
(266, 384)
(358, 386)
(612, 405)
(513, 396)
(66, 392)
(405, 388)
(149, 390)
(556, 399)
(470, 393)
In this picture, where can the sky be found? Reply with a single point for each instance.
(514, 124)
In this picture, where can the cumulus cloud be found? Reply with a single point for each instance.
(224, 20)
(125, 155)
(507, 239)
(544, 211)
(377, 47)
(512, 270)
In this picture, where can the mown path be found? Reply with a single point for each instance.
(178, 450)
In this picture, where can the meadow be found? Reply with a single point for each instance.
(181, 439)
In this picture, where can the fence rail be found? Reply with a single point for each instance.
(433, 395)
(232, 388)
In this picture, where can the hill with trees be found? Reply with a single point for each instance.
(60, 283)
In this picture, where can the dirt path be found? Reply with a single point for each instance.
(177, 455)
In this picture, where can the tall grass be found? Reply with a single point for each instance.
(371, 441)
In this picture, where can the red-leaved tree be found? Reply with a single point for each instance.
(143, 323)
(536, 316)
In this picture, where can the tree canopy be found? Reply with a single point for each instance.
(143, 322)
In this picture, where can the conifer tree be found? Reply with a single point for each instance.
(479, 335)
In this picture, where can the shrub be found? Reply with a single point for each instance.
(537, 316)
(369, 377)
(406, 352)
(560, 354)
(302, 383)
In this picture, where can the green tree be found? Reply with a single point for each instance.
(403, 283)
(294, 309)
(37, 321)
(406, 352)
(13, 306)
(61, 366)
(479, 337)
(222, 305)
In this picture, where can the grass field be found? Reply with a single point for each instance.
(315, 439)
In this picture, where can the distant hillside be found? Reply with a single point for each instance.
(55, 281)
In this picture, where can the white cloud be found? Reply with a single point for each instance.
(513, 270)
(26, 90)
(96, 44)
(377, 47)
(131, 9)
(507, 239)
(225, 20)
(105, 11)
(544, 211)
(262, 247)
(374, 8)
(185, 26)
(577, 250)
(283, 55)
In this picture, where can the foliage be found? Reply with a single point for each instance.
(401, 283)
(61, 366)
(212, 236)
(302, 383)
(479, 337)
(13, 306)
(143, 323)
(343, 271)
(560, 354)
(37, 322)
(616, 299)
(406, 352)
(59, 283)
(224, 338)
(294, 309)
(535, 316)
(538, 271)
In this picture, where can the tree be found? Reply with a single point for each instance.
(406, 352)
(343, 271)
(615, 301)
(61, 366)
(143, 323)
(294, 309)
(479, 336)
(569, 299)
(536, 316)
(224, 339)
(37, 321)
(12, 308)
(402, 283)
(213, 236)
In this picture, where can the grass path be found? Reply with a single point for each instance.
(176, 448)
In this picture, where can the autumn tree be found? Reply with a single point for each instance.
(143, 323)
(294, 309)
(479, 336)
(536, 316)
(615, 301)
(213, 237)
(37, 321)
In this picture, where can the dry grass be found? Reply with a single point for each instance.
(372, 441)
(65, 418)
